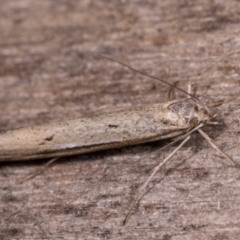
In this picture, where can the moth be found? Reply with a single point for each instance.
(104, 131)
(175, 119)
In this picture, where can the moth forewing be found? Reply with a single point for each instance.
(104, 131)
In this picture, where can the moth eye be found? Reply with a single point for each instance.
(205, 111)
(194, 121)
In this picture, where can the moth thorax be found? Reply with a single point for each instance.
(190, 111)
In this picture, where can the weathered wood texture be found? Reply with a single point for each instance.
(49, 72)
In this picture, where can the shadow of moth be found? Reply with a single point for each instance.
(171, 120)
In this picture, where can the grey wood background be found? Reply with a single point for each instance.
(49, 71)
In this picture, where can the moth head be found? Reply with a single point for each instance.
(204, 113)
(191, 112)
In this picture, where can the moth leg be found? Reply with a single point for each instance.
(189, 87)
(171, 91)
(40, 170)
(192, 89)
(140, 192)
(210, 141)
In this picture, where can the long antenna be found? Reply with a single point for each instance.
(145, 74)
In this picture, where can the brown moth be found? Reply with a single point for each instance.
(104, 131)
(175, 120)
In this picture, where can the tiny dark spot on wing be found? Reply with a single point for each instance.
(50, 138)
(113, 126)
(166, 121)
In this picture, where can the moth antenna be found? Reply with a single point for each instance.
(150, 76)
(221, 102)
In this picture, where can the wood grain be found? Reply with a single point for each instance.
(49, 71)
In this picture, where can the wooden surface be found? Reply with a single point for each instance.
(49, 71)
